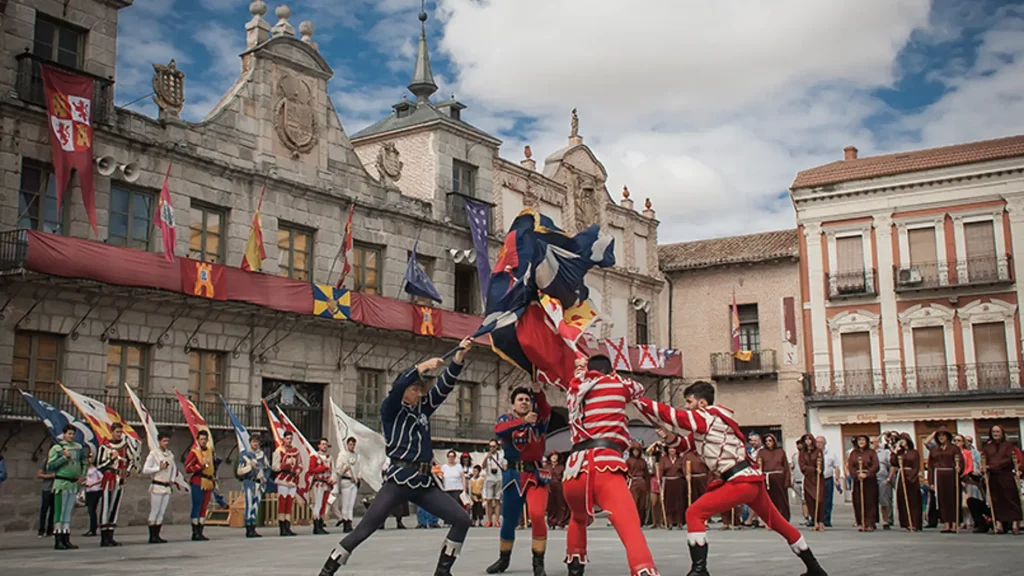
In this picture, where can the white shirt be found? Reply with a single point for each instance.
(347, 464)
(452, 477)
(493, 463)
(829, 464)
(152, 466)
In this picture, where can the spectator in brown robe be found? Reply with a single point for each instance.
(656, 510)
(558, 510)
(943, 461)
(778, 476)
(811, 462)
(673, 479)
(1004, 492)
(862, 466)
(698, 484)
(639, 477)
(907, 483)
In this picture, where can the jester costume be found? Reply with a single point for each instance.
(67, 470)
(253, 472)
(114, 461)
(199, 464)
(524, 480)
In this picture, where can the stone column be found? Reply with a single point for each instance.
(887, 300)
(819, 326)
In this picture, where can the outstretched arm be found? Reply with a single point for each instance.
(689, 420)
(507, 425)
(446, 381)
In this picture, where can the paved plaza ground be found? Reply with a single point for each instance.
(843, 551)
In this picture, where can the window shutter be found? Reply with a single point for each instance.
(930, 346)
(850, 254)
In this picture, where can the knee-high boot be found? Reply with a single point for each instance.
(698, 560)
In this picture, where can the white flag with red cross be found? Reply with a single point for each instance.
(650, 357)
(618, 351)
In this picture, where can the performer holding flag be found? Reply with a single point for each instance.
(67, 461)
(252, 470)
(288, 468)
(198, 463)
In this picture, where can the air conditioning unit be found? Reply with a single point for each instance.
(910, 276)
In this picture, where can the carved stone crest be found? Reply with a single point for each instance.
(585, 207)
(294, 115)
(388, 163)
(169, 89)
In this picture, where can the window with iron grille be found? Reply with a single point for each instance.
(642, 329)
(205, 375)
(295, 252)
(126, 363)
(131, 217)
(369, 394)
(206, 230)
(366, 268)
(37, 361)
(37, 199)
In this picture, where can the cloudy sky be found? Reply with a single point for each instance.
(708, 108)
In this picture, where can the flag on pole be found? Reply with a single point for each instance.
(370, 445)
(417, 282)
(306, 453)
(101, 417)
(153, 438)
(55, 420)
(345, 248)
(196, 422)
(252, 259)
(274, 424)
(241, 434)
(618, 350)
(69, 105)
(737, 349)
(164, 217)
(478, 216)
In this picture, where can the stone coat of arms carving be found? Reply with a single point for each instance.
(295, 116)
(169, 89)
(389, 165)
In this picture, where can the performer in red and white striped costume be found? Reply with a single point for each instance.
(716, 437)
(595, 472)
(321, 482)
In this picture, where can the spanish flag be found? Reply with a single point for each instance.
(737, 351)
(252, 260)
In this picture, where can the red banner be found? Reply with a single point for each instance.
(69, 103)
(426, 321)
(203, 279)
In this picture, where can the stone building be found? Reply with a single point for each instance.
(762, 272)
(94, 327)
(911, 290)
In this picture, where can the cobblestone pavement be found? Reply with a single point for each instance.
(414, 552)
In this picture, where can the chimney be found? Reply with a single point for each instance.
(850, 153)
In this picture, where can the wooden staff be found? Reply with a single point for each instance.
(661, 485)
(906, 499)
(760, 466)
(817, 491)
(988, 492)
(689, 483)
(1016, 478)
(860, 469)
(956, 489)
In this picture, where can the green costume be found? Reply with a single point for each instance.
(67, 471)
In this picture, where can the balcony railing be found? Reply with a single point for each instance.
(456, 206)
(851, 284)
(13, 250)
(973, 271)
(29, 86)
(958, 379)
(762, 363)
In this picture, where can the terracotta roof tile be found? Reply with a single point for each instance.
(903, 162)
(732, 250)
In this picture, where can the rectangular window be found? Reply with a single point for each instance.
(37, 199)
(619, 245)
(980, 241)
(923, 254)
(850, 273)
(58, 42)
(369, 395)
(131, 217)
(126, 362)
(463, 178)
(930, 358)
(642, 328)
(990, 355)
(206, 233)
(427, 263)
(205, 375)
(465, 288)
(465, 406)
(750, 337)
(295, 253)
(857, 372)
(366, 268)
(37, 361)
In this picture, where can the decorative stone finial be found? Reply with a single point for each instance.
(626, 202)
(168, 90)
(648, 212)
(574, 130)
(306, 29)
(625, 191)
(529, 163)
(527, 152)
(257, 30)
(282, 28)
(422, 84)
(258, 8)
(647, 203)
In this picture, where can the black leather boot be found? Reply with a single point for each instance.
(288, 528)
(348, 526)
(105, 538)
(338, 557)
(195, 533)
(813, 568)
(444, 564)
(159, 540)
(280, 528)
(58, 541)
(110, 538)
(152, 535)
(698, 561)
(323, 526)
(538, 564)
(576, 567)
(67, 542)
(504, 557)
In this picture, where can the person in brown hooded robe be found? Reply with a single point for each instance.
(777, 473)
(639, 479)
(558, 510)
(698, 484)
(810, 463)
(673, 477)
(862, 465)
(906, 470)
(1004, 492)
(943, 461)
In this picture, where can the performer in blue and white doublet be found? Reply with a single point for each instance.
(405, 418)
(253, 470)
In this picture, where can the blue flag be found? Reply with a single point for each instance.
(477, 213)
(55, 421)
(417, 282)
(241, 434)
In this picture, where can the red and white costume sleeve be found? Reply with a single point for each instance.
(713, 434)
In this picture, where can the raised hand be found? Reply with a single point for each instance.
(428, 365)
(464, 346)
(530, 418)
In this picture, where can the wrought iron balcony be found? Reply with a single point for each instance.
(29, 85)
(973, 271)
(13, 250)
(919, 381)
(762, 363)
(851, 284)
(456, 206)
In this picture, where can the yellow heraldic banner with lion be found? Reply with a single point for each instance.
(331, 302)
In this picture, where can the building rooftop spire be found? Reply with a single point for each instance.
(422, 85)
